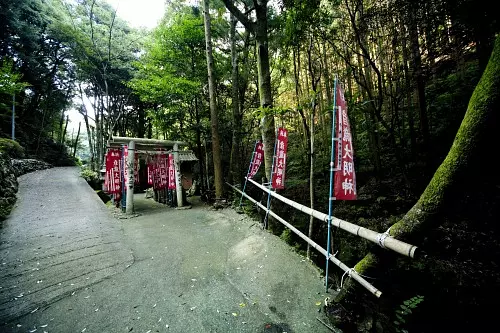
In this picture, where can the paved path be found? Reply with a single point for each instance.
(68, 265)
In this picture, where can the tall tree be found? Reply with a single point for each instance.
(259, 29)
(216, 149)
(235, 173)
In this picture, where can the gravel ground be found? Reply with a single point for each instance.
(71, 264)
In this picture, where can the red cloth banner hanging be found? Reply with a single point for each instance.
(171, 172)
(125, 166)
(258, 156)
(345, 175)
(278, 177)
(163, 171)
(136, 168)
(113, 178)
(156, 172)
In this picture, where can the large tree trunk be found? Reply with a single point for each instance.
(259, 29)
(216, 154)
(264, 77)
(468, 155)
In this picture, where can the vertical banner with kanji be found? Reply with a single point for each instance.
(171, 172)
(257, 159)
(136, 168)
(278, 177)
(345, 176)
(125, 166)
(163, 171)
(113, 179)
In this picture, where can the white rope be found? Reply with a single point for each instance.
(348, 272)
(381, 238)
(332, 255)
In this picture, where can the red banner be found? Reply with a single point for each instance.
(112, 179)
(345, 176)
(258, 156)
(171, 172)
(163, 171)
(280, 162)
(156, 172)
(136, 168)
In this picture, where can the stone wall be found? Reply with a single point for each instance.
(9, 171)
(27, 165)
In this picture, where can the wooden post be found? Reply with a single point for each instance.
(178, 185)
(130, 180)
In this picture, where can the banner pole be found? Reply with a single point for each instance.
(249, 169)
(332, 167)
(270, 182)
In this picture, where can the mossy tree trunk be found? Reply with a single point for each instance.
(469, 163)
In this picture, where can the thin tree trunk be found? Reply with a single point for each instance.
(216, 149)
(63, 137)
(199, 145)
(77, 137)
(237, 121)
(61, 123)
(418, 75)
(315, 77)
(409, 98)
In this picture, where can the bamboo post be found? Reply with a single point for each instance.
(332, 168)
(352, 273)
(382, 239)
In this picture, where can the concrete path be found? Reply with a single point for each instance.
(68, 265)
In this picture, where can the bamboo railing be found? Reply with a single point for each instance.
(352, 273)
(382, 239)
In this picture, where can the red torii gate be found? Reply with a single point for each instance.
(150, 146)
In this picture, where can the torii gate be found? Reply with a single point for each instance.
(148, 145)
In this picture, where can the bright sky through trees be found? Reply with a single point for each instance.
(143, 13)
